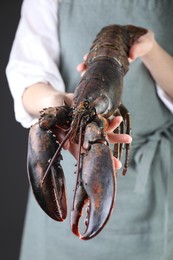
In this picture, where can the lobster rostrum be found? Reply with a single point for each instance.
(97, 99)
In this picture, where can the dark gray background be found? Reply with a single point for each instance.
(13, 146)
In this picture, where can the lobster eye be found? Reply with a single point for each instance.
(86, 103)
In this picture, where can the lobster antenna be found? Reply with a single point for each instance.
(55, 154)
(78, 164)
(61, 145)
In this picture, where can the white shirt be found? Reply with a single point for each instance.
(35, 53)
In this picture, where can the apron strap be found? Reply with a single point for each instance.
(146, 151)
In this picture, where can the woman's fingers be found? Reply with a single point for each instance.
(117, 164)
(119, 138)
(114, 123)
(82, 66)
(142, 46)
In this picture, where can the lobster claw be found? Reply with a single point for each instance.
(95, 185)
(48, 190)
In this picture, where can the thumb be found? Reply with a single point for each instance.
(135, 51)
(69, 99)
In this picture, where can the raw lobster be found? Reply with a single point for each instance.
(97, 99)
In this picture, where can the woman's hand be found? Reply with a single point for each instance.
(156, 59)
(113, 138)
(41, 95)
(139, 49)
(142, 46)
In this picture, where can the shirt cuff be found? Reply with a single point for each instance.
(165, 98)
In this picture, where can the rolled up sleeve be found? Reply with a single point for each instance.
(165, 99)
(34, 55)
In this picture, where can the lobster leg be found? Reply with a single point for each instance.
(96, 184)
(50, 193)
(125, 128)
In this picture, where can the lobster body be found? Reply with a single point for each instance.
(102, 77)
(97, 99)
(107, 63)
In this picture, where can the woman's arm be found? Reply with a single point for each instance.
(41, 95)
(34, 58)
(156, 59)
